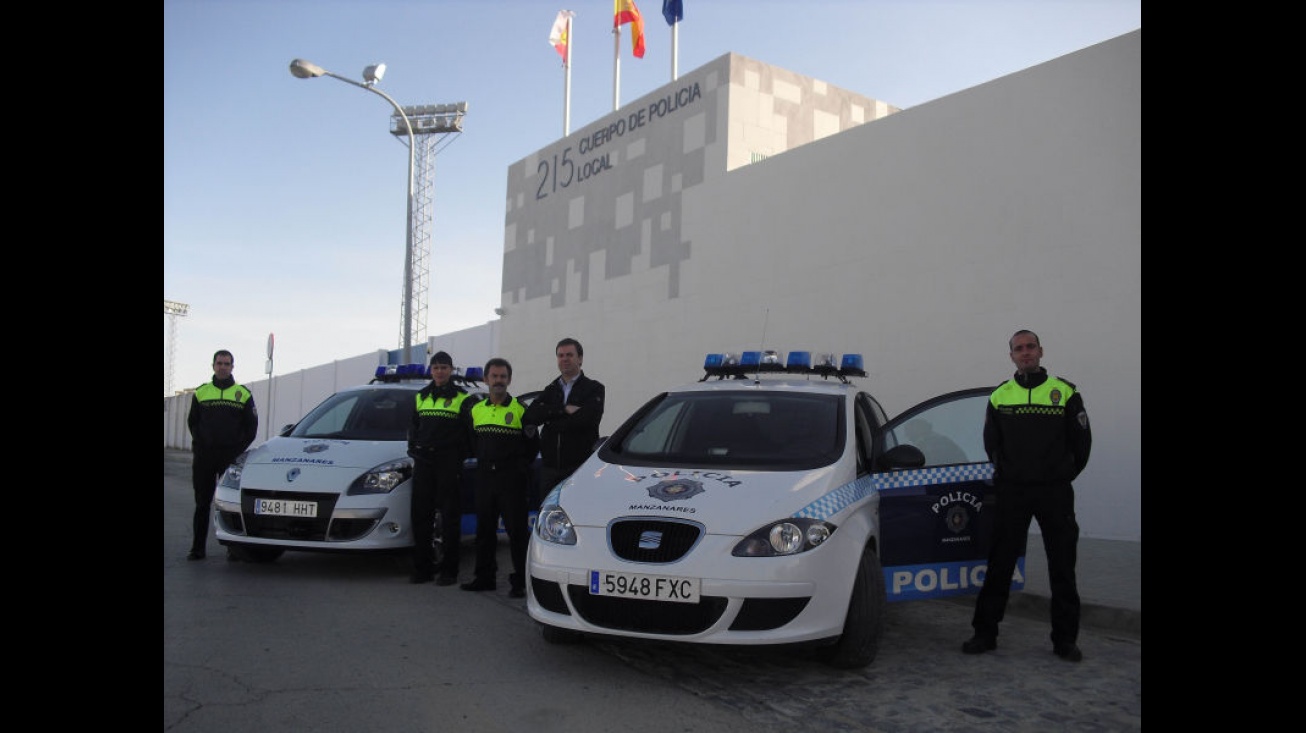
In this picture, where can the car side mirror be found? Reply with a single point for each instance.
(902, 456)
(285, 430)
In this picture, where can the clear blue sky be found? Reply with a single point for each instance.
(285, 199)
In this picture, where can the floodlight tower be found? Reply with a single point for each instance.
(172, 309)
(433, 127)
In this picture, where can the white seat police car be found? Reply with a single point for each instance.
(340, 479)
(767, 503)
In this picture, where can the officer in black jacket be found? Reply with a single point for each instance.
(222, 422)
(439, 440)
(1036, 433)
(505, 449)
(568, 412)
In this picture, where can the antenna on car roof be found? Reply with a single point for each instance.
(761, 347)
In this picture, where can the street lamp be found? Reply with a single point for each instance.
(302, 69)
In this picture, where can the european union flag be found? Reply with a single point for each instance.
(673, 11)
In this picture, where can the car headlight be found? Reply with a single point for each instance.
(788, 536)
(231, 477)
(553, 525)
(383, 479)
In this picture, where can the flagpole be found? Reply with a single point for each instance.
(616, 66)
(675, 50)
(566, 87)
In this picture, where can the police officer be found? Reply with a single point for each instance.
(568, 411)
(504, 451)
(1036, 434)
(439, 440)
(223, 422)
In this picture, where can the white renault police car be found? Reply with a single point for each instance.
(767, 503)
(340, 478)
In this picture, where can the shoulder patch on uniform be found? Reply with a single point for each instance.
(1083, 419)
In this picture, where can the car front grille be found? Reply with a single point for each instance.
(652, 617)
(653, 540)
(764, 614)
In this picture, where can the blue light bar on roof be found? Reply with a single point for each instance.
(475, 374)
(724, 364)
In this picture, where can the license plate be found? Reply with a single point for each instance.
(643, 587)
(282, 508)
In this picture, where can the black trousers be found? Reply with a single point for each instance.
(437, 484)
(1053, 507)
(501, 492)
(205, 469)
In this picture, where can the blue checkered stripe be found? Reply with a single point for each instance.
(933, 476)
(850, 493)
(836, 501)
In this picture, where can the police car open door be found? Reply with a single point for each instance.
(935, 526)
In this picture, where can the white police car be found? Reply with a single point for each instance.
(340, 478)
(767, 503)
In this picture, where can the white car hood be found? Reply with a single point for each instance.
(728, 502)
(353, 454)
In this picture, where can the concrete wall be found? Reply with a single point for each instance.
(732, 217)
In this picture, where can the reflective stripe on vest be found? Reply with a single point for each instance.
(432, 406)
(210, 395)
(491, 418)
(1049, 398)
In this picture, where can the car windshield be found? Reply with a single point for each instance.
(741, 430)
(381, 413)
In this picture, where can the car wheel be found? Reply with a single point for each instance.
(865, 621)
(555, 635)
(259, 553)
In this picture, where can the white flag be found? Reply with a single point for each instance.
(560, 37)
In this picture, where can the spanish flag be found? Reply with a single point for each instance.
(625, 11)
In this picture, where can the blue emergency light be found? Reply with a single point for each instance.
(852, 365)
(724, 364)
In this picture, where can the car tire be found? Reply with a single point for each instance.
(555, 635)
(864, 624)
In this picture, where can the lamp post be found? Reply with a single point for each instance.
(302, 69)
